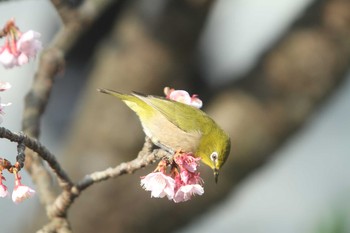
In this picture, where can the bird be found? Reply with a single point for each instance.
(175, 126)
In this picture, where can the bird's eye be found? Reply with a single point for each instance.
(214, 156)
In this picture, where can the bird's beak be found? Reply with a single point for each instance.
(216, 175)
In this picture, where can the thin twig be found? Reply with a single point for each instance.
(146, 156)
(41, 150)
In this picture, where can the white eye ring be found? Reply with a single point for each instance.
(214, 156)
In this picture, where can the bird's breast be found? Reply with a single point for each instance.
(161, 131)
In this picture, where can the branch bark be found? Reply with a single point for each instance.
(42, 151)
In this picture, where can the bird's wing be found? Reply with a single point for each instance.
(184, 116)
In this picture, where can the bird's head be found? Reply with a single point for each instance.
(214, 150)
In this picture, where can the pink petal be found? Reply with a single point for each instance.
(187, 177)
(185, 193)
(196, 102)
(29, 44)
(3, 190)
(7, 59)
(159, 184)
(187, 161)
(184, 175)
(22, 59)
(180, 96)
(183, 97)
(22, 192)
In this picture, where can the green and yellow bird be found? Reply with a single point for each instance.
(176, 126)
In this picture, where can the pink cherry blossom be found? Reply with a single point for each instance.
(29, 43)
(159, 184)
(180, 96)
(183, 97)
(3, 188)
(22, 192)
(18, 47)
(181, 184)
(188, 182)
(7, 59)
(187, 161)
(185, 192)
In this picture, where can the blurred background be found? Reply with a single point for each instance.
(274, 74)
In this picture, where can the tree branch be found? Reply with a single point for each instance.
(145, 157)
(42, 152)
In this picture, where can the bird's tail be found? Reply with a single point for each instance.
(132, 101)
(113, 93)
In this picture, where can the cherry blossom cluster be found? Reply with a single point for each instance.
(19, 47)
(182, 182)
(20, 192)
(183, 97)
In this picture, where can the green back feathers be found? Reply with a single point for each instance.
(184, 116)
